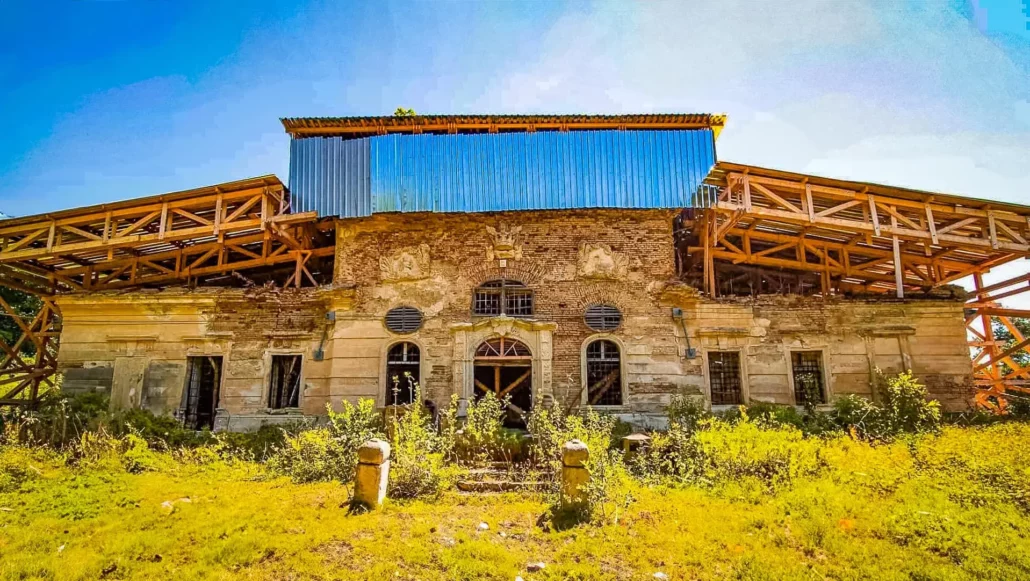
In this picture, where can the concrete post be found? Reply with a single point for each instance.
(574, 474)
(372, 474)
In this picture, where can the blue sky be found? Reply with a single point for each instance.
(112, 100)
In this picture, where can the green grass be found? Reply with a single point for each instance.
(947, 507)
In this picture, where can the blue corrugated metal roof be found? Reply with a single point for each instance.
(502, 171)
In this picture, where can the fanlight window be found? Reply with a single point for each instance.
(503, 297)
(502, 347)
(402, 373)
(604, 373)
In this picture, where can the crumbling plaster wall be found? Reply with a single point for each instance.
(135, 345)
(856, 337)
(435, 261)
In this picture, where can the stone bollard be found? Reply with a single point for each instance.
(574, 474)
(372, 475)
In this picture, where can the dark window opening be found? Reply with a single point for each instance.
(503, 297)
(284, 391)
(203, 377)
(724, 377)
(807, 367)
(604, 373)
(402, 373)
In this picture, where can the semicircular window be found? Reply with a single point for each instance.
(403, 319)
(603, 317)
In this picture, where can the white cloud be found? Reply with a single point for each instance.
(912, 96)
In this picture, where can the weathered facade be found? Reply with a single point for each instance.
(562, 271)
(137, 343)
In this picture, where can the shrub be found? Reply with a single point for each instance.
(481, 436)
(686, 411)
(416, 467)
(328, 453)
(905, 409)
(258, 445)
(549, 429)
(671, 454)
(607, 493)
(137, 456)
(747, 449)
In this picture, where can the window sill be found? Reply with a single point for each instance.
(284, 411)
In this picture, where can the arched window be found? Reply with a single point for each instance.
(604, 373)
(503, 297)
(403, 363)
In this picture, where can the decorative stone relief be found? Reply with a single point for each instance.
(507, 242)
(599, 261)
(405, 264)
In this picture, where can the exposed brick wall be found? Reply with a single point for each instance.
(550, 246)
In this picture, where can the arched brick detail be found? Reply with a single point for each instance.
(528, 275)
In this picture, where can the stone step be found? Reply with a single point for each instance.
(492, 485)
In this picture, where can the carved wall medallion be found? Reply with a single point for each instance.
(405, 264)
(599, 261)
(507, 242)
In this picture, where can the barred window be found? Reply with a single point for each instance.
(807, 367)
(603, 317)
(604, 373)
(724, 377)
(402, 373)
(503, 297)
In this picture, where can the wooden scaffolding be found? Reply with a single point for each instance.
(853, 237)
(185, 238)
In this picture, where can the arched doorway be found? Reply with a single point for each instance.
(504, 367)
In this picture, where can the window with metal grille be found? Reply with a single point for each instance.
(403, 319)
(402, 373)
(602, 317)
(604, 373)
(503, 297)
(284, 388)
(807, 367)
(724, 377)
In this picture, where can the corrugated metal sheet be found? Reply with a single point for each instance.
(502, 171)
(331, 176)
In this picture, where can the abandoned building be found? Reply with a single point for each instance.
(565, 261)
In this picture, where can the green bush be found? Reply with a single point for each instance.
(670, 454)
(416, 465)
(905, 409)
(749, 449)
(686, 411)
(330, 452)
(137, 456)
(481, 435)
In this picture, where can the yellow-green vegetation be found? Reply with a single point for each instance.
(769, 504)
(869, 491)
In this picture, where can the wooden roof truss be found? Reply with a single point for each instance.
(859, 240)
(175, 239)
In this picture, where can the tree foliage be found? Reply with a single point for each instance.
(1007, 339)
(26, 306)
(402, 112)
